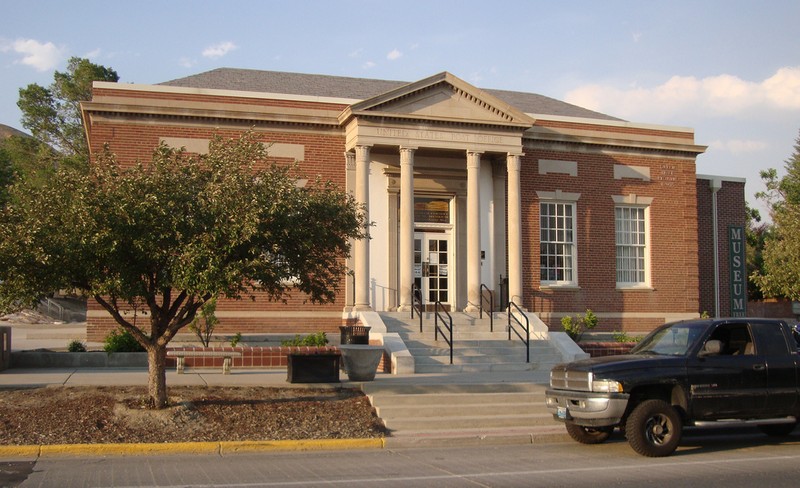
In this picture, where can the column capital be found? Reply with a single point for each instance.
(513, 162)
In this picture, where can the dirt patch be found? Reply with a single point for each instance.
(97, 415)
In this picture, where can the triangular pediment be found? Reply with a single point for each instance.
(444, 98)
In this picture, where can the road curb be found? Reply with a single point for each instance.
(220, 448)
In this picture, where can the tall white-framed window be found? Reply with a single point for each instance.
(632, 243)
(557, 243)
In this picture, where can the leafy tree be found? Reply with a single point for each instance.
(6, 174)
(756, 234)
(53, 114)
(159, 240)
(29, 159)
(781, 255)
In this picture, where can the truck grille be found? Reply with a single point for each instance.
(563, 379)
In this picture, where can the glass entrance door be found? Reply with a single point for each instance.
(432, 267)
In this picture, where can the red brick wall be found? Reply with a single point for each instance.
(133, 138)
(672, 235)
(730, 211)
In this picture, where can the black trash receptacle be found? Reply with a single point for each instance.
(354, 334)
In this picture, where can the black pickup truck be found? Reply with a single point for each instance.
(694, 373)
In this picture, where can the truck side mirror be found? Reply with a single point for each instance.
(711, 348)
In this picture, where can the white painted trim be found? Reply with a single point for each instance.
(731, 179)
(633, 172)
(549, 166)
(137, 87)
(611, 123)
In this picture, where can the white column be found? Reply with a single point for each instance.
(473, 232)
(361, 251)
(350, 168)
(513, 166)
(406, 227)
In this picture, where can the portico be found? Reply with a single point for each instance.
(436, 165)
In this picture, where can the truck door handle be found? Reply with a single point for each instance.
(759, 367)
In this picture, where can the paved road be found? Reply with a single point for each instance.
(743, 461)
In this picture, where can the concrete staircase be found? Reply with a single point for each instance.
(465, 414)
(475, 347)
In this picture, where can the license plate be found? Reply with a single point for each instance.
(562, 413)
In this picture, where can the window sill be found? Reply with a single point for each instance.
(635, 288)
(565, 287)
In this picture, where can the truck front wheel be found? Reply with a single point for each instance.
(654, 428)
(588, 435)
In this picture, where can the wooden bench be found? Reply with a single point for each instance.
(225, 355)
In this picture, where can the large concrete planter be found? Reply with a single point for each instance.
(361, 361)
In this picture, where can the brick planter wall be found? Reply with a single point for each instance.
(600, 349)
(257, 357)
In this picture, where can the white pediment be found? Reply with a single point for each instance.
(441, 97)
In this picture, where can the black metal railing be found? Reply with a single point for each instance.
(527, 327)
(489, 299)
(448, 325)
(416, 303)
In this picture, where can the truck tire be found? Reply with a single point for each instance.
(589, 435)
(654, 428)
(778, 430)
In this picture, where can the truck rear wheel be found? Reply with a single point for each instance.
(654, 428)
(778, 430)
(589, 435)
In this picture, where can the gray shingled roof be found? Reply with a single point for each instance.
(356, 88)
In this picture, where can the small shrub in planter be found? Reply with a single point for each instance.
(121, 340)
(313, 340)
(76, 346)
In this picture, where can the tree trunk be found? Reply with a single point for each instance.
(157, 380)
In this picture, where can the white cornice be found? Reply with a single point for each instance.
(136, 87)
(731, 179)
(611, 123)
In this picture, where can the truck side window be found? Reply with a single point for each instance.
(771, 339)
(735, 339)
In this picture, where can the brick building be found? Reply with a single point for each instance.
(553, 206)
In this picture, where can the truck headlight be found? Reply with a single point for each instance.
(606, 386)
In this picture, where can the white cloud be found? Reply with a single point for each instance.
(40, 56)
(721, 95)
(394, 54)
(219, 50)
(186, 62)
(368, 65)
(356, 53)
(738, 146)
(93, 54)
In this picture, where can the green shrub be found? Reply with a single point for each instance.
(575, 327)
(236, 339)
(313, 340)
(121, 340)
(204, 323)
(76, 346)
(622, 336)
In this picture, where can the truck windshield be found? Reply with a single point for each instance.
(672, 340)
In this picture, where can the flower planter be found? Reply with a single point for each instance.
(361, 361)
(313, 368)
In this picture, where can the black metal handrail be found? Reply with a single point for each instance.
(527, 326)
(448, 324)
(491, 305)
(416, 303)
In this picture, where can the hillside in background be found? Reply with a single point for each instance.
(7, 131)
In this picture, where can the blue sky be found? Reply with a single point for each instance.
(728, 69)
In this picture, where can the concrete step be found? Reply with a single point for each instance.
(488, 413)
(449, 423)
(494, 398)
